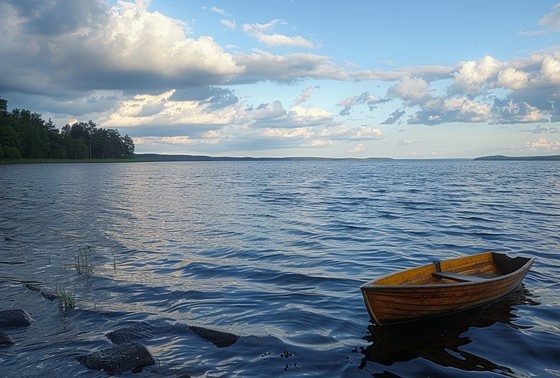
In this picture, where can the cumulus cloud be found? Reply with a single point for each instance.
(125, 47)
(261, 33)
(512, 78)
(411, 90)
(162, 115)
(472, 77)
(544, 144)
(517, 112)
(150, 76)
(454, 109)
(486, 90)
(175, 118)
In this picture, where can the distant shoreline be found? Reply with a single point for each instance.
(138, 158)
(161, 157)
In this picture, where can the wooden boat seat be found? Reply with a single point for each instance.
(459, 277)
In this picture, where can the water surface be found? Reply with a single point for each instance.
(275, 252)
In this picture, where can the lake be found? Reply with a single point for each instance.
(275, 252)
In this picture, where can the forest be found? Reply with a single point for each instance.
(26, 135)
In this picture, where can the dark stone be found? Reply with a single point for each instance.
(50, 295)
(119, 359)
(14, 318)
(218, 338)
(135, 332)
(33, 287)
(5, 339)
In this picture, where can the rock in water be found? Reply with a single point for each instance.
(119, 359)
(5, 339)
(218, 338)
(134, 332)
(14, 318)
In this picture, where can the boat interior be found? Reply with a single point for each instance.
(478, 268)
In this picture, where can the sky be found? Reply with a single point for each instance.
(314, 78)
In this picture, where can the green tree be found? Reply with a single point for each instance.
(128, 147)
(26, 134)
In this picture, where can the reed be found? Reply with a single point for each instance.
(84, 261)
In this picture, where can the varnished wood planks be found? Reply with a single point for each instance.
(416, 293)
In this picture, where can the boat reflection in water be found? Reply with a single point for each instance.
(441, 340)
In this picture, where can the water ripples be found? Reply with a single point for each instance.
(275, 252)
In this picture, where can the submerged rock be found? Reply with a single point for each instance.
(5, 339)
(33, 287)
(218, 338)
(50, 295)
(119, 359)
(144, 330)
(135, 332)
(14, 318)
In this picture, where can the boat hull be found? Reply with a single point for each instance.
(417, 293)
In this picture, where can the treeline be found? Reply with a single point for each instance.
(25, 135)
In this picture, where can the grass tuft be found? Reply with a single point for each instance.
(66, 301)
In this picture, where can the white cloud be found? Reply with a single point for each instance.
(544, 144)
(512, 78)
(259, 32)
(550, 70)
(517, 112)
(229, 24)
(344, 132)
(473, 76)
(552, 19)
(139, 40)
(124, 47)
(411, 90)
(305, 95)
(272, 111)
(262, 66)
(311, 116)
(426, 72)
(161, 110)
(357, 148)
(218, 10)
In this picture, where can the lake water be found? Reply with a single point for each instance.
(275, 252)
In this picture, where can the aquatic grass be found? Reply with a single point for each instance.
(66, 300)
(84, 261)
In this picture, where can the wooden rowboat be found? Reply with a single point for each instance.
(443, 287)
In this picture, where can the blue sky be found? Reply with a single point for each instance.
(400, 79)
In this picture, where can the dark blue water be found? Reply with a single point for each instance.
(275, 252)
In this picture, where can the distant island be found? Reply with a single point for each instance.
(502, 157)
